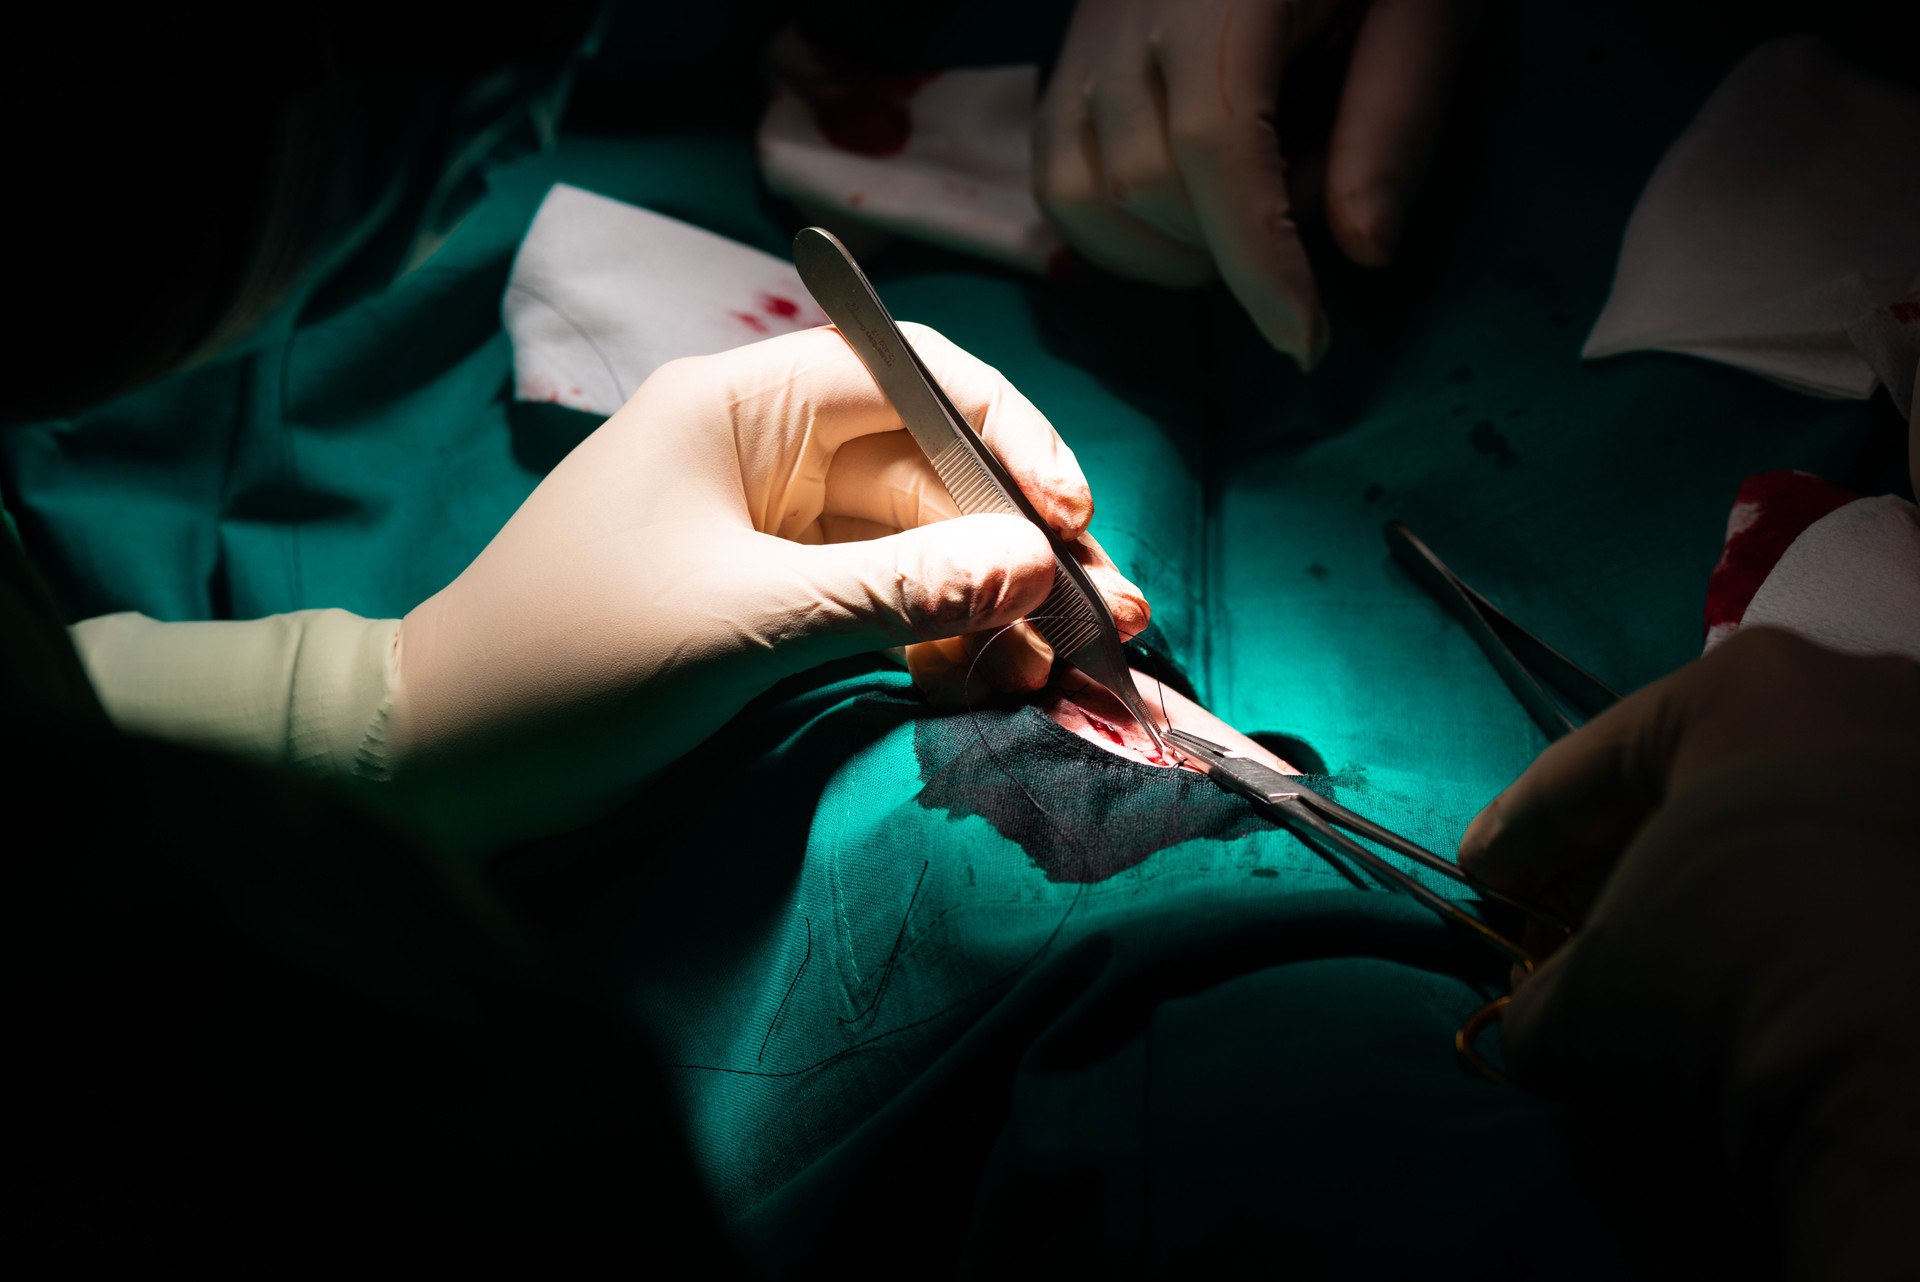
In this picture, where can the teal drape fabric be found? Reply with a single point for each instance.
(969, 977)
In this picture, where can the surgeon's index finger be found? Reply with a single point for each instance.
(1404, 63)
(1579, 804)
(1018, 433)
(1125, 601)
(1222, 89)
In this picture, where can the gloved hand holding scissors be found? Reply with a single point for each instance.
(1157, 149)
(1738, 846)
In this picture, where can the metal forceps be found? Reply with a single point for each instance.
(1545, 681)
(1074, 618)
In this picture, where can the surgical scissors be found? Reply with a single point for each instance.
(1285, 800)
(1545, 681)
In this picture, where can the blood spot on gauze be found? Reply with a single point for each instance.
(1771, 510)
(864, 113)
(877, 129)
(785, 314)
(538, 388)
(751, 321)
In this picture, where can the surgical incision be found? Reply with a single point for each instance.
(1092, 712)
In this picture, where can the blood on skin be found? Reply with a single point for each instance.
(1104, 727)
(1067, 708)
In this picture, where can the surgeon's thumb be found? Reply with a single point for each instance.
(964, 575)
(1532, 1026)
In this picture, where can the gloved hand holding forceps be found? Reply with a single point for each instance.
(745, 516)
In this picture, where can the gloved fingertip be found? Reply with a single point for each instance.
(1367, 223)
(1302, 336)
(1319, 340)
(1131, 613)
(1071, 509)
(1479, 834)
(1524, 1036)
(1385, 235)
(1310, 350)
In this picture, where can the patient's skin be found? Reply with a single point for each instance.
(1096, 715)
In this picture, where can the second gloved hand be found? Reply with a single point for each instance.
(1157, 148)
(744, 517)
(1739, 846)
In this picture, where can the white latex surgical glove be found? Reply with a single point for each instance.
(1738, 846)
(1156, 151)
(745, 516)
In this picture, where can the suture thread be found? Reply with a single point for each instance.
(781, 1009)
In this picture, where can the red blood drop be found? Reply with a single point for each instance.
(774, 305)
(751, 321)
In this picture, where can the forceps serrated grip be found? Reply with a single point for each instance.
(1074, 619)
